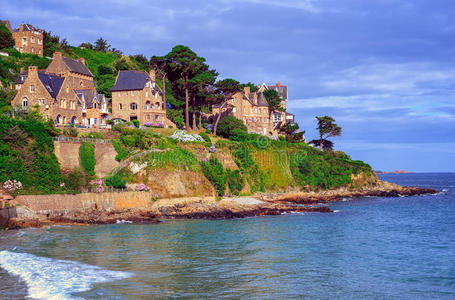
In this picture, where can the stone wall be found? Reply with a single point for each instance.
(6, 214)
(68, 156)
(45, 204)
(61, 204)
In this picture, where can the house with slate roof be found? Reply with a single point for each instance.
(250, 107)
(64, 92)
(282, 90)
(136, 96)
(27, 38)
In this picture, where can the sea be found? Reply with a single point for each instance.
(369, 248)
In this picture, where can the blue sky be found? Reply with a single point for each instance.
(384, 69)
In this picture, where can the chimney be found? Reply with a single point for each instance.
(21, 27)
(278, 84)
(82, 60)
(32, 71)
(57, 55)
(152, 74)
(246, 90)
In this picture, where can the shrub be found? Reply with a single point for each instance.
(205, 136)
(115, 181)
(110, 122)
(87, 158)
(183, 136)
(239, 135)
(235, 181)
(228, 124)
(75, 180)
(122, 152)
(6, 37)
(214, 172)
(136, 123)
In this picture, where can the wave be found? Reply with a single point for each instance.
(48, 278)
(124, 222)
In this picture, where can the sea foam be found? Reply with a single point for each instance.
(48, 278)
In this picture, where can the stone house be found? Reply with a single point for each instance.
(136, 96)
(250, 107)
(64, 92)
(28, 39)
(282, 90)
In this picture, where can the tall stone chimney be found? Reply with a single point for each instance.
(246, 90)
(32, 71)
(152, 74)
(278, 84)
(57, 55)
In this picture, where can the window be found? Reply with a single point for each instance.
(157, 105)
(80, 83)
(151, 106)
(120, 94)
(24, 41)
(234, 109)
(132, 93)
(120, 106)
(148, 117)
(147, 105)
(32, 39)
(94, 106)
(24, 103)
(133, 106)
(157, 117)
(67, 89)
(126, 93)
(32, 88)
(146, 94)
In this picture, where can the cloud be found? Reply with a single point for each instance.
(305, 5)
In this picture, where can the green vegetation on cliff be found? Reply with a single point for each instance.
(27, 155)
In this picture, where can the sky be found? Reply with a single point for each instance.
(384, 69)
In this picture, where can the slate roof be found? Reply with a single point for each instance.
(87, 95)
(52, 82)
(261, 100)
(282, 90)
(130, 80)
(76, 66)
(27, 27)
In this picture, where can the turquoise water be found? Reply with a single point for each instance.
(371, 248)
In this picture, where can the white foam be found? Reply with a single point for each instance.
(49, 278)
(124, 222)
(336, 211)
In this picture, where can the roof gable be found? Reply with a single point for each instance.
(130, 80)
(52, 83)
(76, 66)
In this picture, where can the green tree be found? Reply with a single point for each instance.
(327, 128)
(274, 102)
(184, 64)
(226, 88)
(228, 126)
(6, 38)
(253, 87)
(160, 65)
(101, 45)
(51, 43)
(291, 132)
(201, 89)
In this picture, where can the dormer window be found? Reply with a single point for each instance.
(94, 105)
(32, 88)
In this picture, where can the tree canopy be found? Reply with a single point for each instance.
(101, 45)
(327, 128)
(6, 38)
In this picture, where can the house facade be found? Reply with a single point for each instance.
(282, 90)
(136, 96)
(28, 39)
(64, 92)
(250, 107)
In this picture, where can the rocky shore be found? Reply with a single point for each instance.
(204, 208)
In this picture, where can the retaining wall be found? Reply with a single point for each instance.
(6, 214)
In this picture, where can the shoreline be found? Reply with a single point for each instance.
(209, 207)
